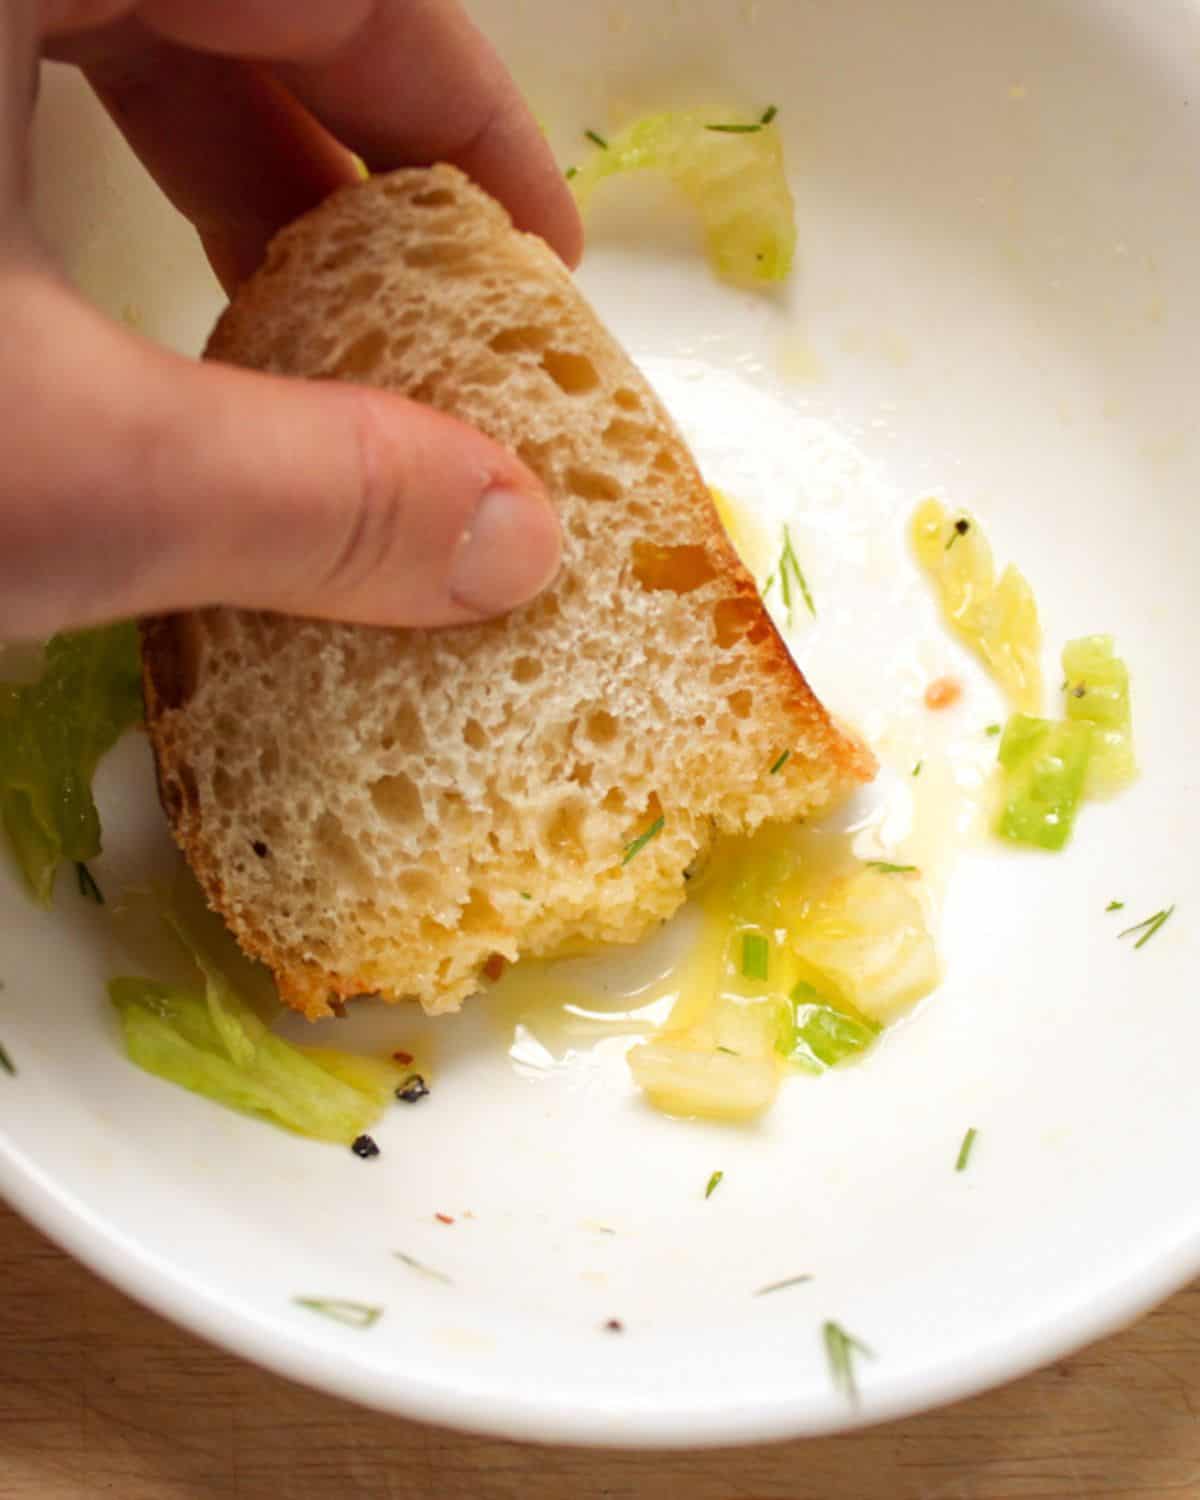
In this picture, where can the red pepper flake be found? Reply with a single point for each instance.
(403, 1058)
(614, 1325)
(495, 966)
(443, 1218)
(942, 693)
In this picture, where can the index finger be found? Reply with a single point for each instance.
(402, 83)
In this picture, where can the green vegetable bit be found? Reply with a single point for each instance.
(53, 733)
(1149, 927)
(780, 763)
(214, 1044)
(7, 1064)
(840, 1349)
(422, 1269)
(885, 867)
(824, 1036)
(782, 1286)
(596, 139)
(714, 1182)
(756, 955)
(1046, 764)
(964, 1151)
(1115, 906)
(352, 1314)
(791, 574)
(639, 843)
(733, 178)
(1097, 693)
(88, 888)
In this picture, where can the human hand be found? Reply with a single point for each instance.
(134, 481)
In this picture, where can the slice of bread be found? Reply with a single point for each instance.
(384, 811)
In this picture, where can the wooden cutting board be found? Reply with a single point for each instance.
(99, 1398)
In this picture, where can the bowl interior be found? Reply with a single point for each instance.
(995, 302)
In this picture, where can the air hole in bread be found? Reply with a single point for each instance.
(434, 198)
(735, 619)
(526, 669)
(268, 761)
(741, 703)
(223, 790)
(340, 850)
(405, 732)
(441, 253)
(573, 374)
(678, 569)
(396, 799)
(564, 828)
(665, 462)
(479, 915)
(601, 727)
(591, 484)
(419, 885)
(475, 735)
(581, 773)
(515, 340)
(363, 355)
(364, 285)
(626, 399)
(624, 436)
(613, 800)
(345, 255)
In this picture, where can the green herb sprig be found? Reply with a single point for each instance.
(714, 1182)
(422, 1269)
(1149, 927)
(750, 128)
(351, 1314)
(791, 576)
(639, 843)
(840, 1349)
(782, 1286)
(964, 1151)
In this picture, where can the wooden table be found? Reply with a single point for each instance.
(99, 1398)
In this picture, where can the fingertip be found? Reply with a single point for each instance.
(509, 552)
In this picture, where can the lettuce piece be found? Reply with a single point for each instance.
(864, 940)
(1097, 693)
(52, 735)
(732, 174)
(214, 1044)
(685, 1080)
(823, 1035)
(996, 617)
(1045, 765)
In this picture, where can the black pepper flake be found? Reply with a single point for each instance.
(1079, 691)
(260, 848)
(365, 1147)
(614, 1325)
(413, 1088)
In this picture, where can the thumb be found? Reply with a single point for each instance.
(133, 481)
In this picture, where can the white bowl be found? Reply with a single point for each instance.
(996, 301)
